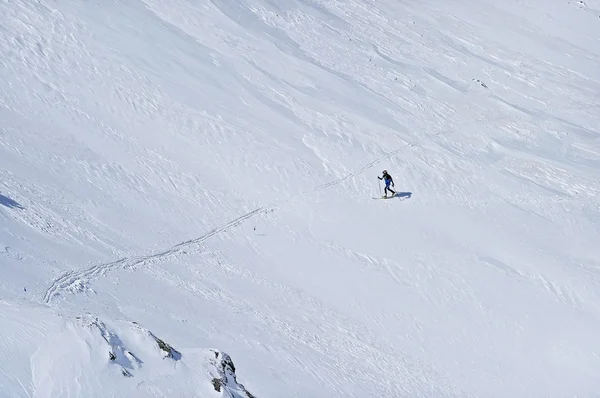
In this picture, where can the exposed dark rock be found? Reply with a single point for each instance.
(166, 348)
(217, 384)
(228, 379)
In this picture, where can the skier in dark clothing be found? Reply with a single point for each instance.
(388, 180)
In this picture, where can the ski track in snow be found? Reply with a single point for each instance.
(73, 280)
(76, 280)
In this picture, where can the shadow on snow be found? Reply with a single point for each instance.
(403, 195)
(399, 195)
(8, 202)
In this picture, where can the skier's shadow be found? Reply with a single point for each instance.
(8, 202)
(403, 195)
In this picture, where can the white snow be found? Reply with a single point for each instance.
(206, 170)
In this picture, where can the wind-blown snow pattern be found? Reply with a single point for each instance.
(188, 184)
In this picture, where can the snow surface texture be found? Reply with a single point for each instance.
(206, 170)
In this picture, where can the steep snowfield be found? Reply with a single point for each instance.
(206, 170)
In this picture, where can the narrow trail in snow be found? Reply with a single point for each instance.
(70, 280)
(73, 280)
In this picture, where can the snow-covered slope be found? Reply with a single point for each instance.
(206, 170)
(84, 357)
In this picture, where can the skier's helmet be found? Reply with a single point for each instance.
(384, 171)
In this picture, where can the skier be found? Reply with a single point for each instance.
(388, 180)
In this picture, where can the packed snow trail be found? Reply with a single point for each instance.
(71, 280)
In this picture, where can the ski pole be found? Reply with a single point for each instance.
(380, 193)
